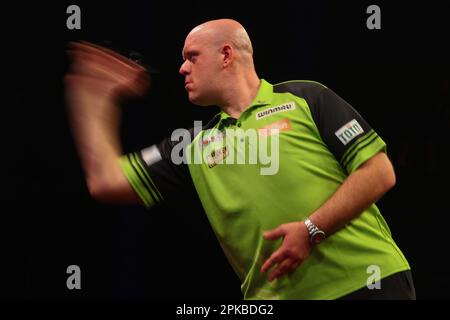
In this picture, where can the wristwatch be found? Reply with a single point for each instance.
(316, 235)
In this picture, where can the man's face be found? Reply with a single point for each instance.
(201, 67)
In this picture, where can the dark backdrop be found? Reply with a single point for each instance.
(396, 77)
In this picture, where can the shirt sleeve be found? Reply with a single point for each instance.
(154, 176)
(349, 137)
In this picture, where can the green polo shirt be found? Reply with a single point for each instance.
(286, 155)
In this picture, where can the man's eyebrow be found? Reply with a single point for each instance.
(186, 53)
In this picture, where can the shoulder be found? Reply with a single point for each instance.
(300, 88)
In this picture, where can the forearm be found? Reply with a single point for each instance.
(360, 190)
(98, 80)
(95, 120)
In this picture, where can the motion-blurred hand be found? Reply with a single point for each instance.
(102, 72)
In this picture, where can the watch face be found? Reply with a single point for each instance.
(317, 237)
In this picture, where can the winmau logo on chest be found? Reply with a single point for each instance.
(277, 109)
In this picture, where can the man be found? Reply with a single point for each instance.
(305, 228)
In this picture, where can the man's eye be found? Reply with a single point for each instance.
(192, 57)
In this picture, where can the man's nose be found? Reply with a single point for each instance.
(184, 68)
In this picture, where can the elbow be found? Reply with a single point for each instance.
(385, 172)
(113, 188)
(99, 190)
(390, 178)
(96, 191)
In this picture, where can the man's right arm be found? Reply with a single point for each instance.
(98, 80)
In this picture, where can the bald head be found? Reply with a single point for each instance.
(219, 32)
(218, 64)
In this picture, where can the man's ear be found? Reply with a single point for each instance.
(227, 52)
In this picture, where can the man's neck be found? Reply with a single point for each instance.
(241, 96)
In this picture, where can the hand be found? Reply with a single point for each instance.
(293, 251)
(104, 73)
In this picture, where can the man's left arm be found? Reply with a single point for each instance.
(359, 191)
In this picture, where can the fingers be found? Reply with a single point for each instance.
(113, 53)
(285, 267)
(285, 264)
(95, 61)
(83, 62)
(275, 258)
(108, 68)
(274, 234)
(104, 54)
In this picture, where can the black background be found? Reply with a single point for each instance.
(397, 78)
